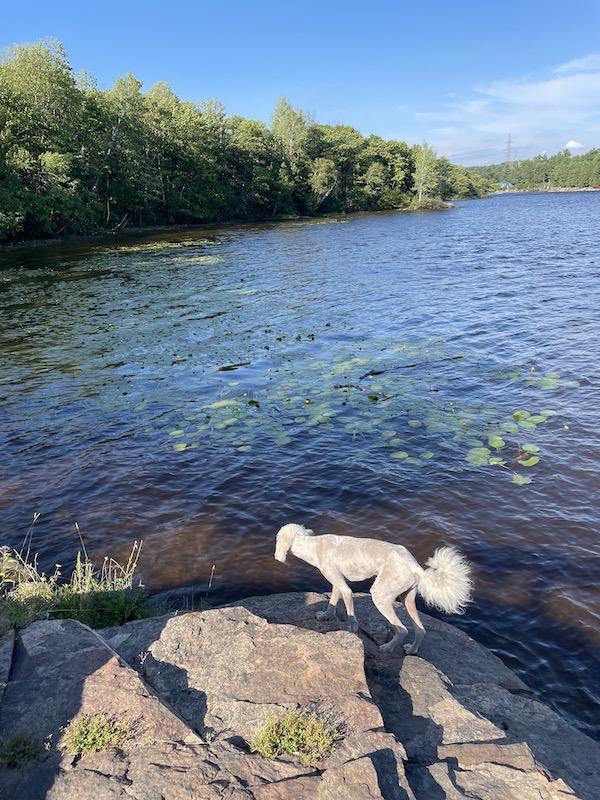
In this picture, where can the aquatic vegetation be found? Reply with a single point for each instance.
(164, 246)
(391, 407)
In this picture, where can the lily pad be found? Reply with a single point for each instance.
(496, 442)
(547, 383)
(530, 462)
(527, 425)
(478, 456)
(521, 480)
(224, 403)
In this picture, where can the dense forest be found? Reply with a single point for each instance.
(543, 172)
(77, 159)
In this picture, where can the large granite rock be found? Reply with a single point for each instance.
(470, 727)
(452, 722)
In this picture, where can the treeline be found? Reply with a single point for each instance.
(543, 172)
(76, 159)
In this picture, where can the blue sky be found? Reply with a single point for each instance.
(462, 75)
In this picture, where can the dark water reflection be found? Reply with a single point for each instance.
(199, 389)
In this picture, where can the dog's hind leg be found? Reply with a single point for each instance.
(409, 602)
(383, 598)
(331, 610)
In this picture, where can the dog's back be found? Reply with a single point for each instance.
(359, 559)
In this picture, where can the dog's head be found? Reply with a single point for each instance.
(285, 538)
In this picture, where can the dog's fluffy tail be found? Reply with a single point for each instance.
(446, 583)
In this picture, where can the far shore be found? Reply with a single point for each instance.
(548, 190)
(106, 235)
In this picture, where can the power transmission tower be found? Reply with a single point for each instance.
(511, 152)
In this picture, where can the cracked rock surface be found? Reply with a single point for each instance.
(195, 688)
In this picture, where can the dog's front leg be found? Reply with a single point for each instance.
(346, 593)
(331, 610)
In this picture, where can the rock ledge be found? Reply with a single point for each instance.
(452, 722)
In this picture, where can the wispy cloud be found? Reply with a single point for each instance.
(539, 114)
(590, 63)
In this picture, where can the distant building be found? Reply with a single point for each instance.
(506, 185)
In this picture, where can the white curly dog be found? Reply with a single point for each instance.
(445, 584)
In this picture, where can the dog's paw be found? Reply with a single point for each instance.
(410, 649)
(352, 625)
(388, 647)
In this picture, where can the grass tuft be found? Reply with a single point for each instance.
(18, 750)
(96, 597)
(305, 732)
(94, 732)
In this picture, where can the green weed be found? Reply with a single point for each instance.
(94, 732)
(18, 750)
(304, 732)
(97, 597)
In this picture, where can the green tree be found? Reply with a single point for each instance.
(427, 185)
(256, 169)
(122, 178)
(291, 129)
(39, 138)
(385, 173)
(324, 179)
(340, 146)
(75, 158)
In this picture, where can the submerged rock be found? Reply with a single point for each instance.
(196, 688)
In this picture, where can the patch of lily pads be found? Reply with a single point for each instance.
(515, 454)
(160, 246)
(394, 406)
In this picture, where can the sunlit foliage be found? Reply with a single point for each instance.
(75, 159)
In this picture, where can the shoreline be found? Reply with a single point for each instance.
(135, 232)
(549, 190)
(148, 230)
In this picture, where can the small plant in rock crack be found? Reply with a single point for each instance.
(18, 750)
(307, 732)
(93, 732)
(208, 735)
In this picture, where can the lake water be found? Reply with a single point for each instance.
(427, 378)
